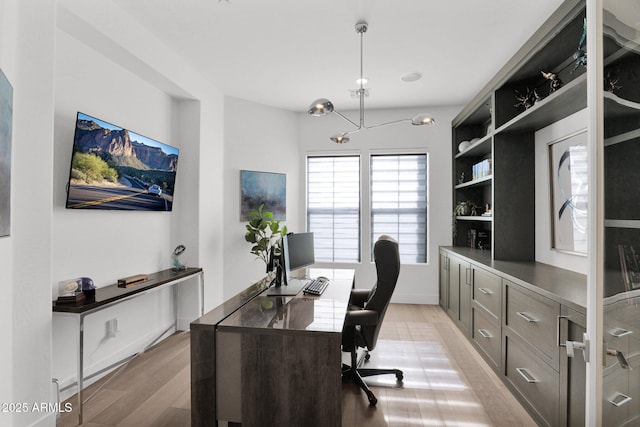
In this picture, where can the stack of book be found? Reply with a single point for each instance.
(481, 170)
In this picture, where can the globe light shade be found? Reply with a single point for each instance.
(340, 139)
(422, 119)
(321, 107)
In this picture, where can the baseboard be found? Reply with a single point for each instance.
(400, 298)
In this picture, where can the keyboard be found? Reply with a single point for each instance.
(316, 286)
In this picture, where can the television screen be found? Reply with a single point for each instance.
(114, 168)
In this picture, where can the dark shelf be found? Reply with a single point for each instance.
(565, 101)
(111, 293)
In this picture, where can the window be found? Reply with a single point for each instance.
(399, 203)
(333, 207)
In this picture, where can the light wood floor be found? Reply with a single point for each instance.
(447, 384)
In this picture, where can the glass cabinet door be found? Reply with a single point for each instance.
(620, 188)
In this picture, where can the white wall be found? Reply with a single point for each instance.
(418, 283)
(31, 205)
(543, 137)
(259, 138)
(8, 33)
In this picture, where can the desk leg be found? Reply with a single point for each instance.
(80, 366)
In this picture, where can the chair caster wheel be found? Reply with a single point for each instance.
(367, 357)
(372, 400)
(399, 377)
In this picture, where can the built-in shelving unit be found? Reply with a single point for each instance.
(501, 131)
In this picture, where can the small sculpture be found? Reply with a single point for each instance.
(554, 82)
(526, 100)
(580, 55)
(177, 264)
(611, 83)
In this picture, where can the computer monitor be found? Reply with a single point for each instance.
(297, 252)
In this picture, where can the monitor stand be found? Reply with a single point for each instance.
(293, 288)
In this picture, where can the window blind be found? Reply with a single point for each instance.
(333, 207)
(399, 203)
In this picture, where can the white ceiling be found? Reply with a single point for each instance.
(286, 53)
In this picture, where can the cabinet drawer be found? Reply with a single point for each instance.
(534, 318)
(487, 334)
(534, 380)
(487, 290)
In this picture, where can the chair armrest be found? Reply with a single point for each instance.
(361, 317)
(359, 297)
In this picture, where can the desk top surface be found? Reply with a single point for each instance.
(112, 293)
(261, 312)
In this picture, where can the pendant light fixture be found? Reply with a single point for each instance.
(323, 107)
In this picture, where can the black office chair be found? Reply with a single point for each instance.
(366, 313)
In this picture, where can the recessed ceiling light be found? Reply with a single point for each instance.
(410, 77)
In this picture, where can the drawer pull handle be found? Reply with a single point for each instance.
(526, 375)
(620, 399)
(485, 291)
(485, 333)
(527, 317)
(619, 332)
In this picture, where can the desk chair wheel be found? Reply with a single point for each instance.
(399, 376)
(372, 398)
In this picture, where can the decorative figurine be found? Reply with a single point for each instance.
(461, 179)
(580, 55)
(554, 82)
(177, 264)
(527, 100)
(611, 83)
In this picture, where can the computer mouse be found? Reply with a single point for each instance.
(323, 278)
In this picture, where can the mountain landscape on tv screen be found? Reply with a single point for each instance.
(112, 169)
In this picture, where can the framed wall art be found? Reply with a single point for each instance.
(6, 124)
(257, 188)
(568, 159)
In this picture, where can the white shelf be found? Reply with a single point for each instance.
(475, 218)
(622, 223)
(477, 182)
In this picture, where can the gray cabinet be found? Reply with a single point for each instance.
(519, 325)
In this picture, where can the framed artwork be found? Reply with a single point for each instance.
(257, 188)
(568, 159)
(6, 123)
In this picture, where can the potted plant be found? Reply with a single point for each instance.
(263, 232)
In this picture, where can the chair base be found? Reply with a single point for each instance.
(356, 375)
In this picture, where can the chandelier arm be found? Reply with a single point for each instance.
(347, 119)
(387, 123)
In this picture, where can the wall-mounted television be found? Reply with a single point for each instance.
(115, 168)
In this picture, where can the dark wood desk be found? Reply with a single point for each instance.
(271, 360)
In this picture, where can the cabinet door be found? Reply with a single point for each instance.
(444, 280)
(573, 369)
(453, 296)
(466, 287)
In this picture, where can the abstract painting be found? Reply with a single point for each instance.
(6, 122)
(569, 180)
(257, 188)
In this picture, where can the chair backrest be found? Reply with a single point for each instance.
(387, 259)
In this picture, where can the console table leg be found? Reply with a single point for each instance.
(80, 367)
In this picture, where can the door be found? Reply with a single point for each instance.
(613, 321)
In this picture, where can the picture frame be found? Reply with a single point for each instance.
(268, 188)
(568, 167)
(6, 125)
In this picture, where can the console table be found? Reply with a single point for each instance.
(111, 295)
(271, 360)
